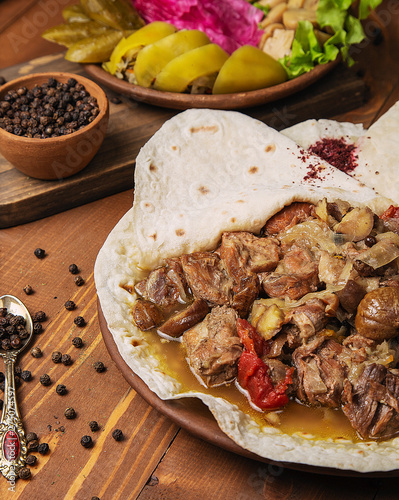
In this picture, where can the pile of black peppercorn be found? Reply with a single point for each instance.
(52, 109)
(13, 333)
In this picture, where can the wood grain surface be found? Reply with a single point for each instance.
(131, 124)
(157, 459)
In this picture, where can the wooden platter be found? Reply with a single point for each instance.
(131, 124)
(193, 416)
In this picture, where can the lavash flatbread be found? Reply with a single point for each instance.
(202, 173)
(377, 148)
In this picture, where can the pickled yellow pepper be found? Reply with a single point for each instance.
(144, 36)
(177, 75)
(153, 58)
(248, 68)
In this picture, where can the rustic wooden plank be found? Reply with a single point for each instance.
(21, 38)
(24, 199)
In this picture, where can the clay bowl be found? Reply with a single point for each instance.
(55, 157)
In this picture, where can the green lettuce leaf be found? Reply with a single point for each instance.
(347, 30)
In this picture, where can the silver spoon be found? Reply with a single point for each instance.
(13, 449)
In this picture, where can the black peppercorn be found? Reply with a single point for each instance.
(31, 436)
(37, 327)
(24, 473)
(40, 253)
(2, 80)
(79, 281)
(26, 375)
(18, 371)
(36, 352)
(77, 342)
(66, 359)
(70, 413)
(45, 379)
(79, 321)
(43, 448)
(31, 460)
(39, 316)
(117, 434)
(95, 498)
(99, 366)
(56, 357)
(28, 290)
(70, 305)
(33, 445)
(61, 389)
(93, 426)
(86, 441)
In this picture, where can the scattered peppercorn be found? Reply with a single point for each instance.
(26, 375)
(56, 357)
(66, 359)
(61, 389)
(117, 434)
(45, 379)
(28, 290)
(39, 316)
(77, 342)
(79, 281)
(73, 269)
(49, 110)
(33, 445)
(70, 305)
(37, 327)
(36, 352)
(70, 413)
(24, 473)
(99, 366)
(95, 498)
(86, 442)
(79, 321)
(43, 448)
(2, 80)
(31, 436)
(40, 253)
(93, 426)
(31, 459)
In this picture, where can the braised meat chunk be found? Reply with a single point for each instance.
(165, 286)
(207, 278)
(321, 371)
(146, 315)
(245, 252)
(372, 403)
(213, 347)
(181, 321)
(295, 276)
(289, 216)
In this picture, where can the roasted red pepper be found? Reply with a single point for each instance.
(253, 373)
(390, 213)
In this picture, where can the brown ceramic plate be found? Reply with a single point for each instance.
(223, 101)
(193, 415)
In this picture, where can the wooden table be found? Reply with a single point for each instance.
(157, 459)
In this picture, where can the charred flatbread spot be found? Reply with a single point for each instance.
(210, 128)
(240, 201)
(153, 168)
(253, 170)
(270, 148)
(153, 236)
(233, 220)
(135, 342)
(174, 148)
(204, 190)
(180, 232)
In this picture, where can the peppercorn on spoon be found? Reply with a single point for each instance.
(13, 448)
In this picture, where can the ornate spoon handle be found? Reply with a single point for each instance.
(12, 436)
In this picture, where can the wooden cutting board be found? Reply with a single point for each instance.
(23, 199)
